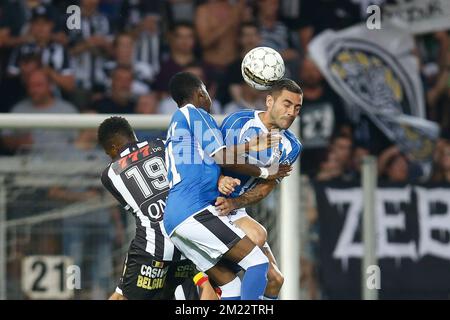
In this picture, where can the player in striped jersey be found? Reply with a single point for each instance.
(137, 178)
(283, 105)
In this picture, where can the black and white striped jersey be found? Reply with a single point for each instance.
(138, 180)
(89, 63)
(53, 55)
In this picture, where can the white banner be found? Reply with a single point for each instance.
(419, 16)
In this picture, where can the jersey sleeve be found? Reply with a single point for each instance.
(231, 131)
(294, 154)
(206, 131)
(110, 187)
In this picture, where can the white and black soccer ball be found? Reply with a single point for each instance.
(262, 67)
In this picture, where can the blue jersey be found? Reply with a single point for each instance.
(192, 139)
(241, 126)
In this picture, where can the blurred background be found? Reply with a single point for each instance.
(377, 91)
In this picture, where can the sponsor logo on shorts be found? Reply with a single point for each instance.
(184, 271)
(152, 277)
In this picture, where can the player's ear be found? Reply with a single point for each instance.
(201, 94)
(198, 97)
(113, 151)
(269, 101)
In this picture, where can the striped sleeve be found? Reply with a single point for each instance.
(112, 189)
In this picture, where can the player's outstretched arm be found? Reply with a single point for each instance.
(225, 205)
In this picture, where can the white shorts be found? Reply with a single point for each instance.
(237, 214)
(205, 236)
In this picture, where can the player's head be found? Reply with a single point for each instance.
(113, 134)
(186, 87)
(283, 103)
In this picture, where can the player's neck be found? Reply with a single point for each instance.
(198, 106)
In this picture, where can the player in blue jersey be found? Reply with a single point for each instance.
(195, 154)
(283, 104)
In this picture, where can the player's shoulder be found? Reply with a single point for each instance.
(190, 111)
(105, 174)
(153, 142)
(293, 139)
(237, 118)
(182, 115)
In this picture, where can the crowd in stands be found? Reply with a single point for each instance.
(121, 59)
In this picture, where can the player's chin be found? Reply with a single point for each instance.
(285, 124)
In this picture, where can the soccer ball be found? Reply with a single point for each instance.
(261, 67)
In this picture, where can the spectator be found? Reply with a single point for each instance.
(148, 104)
(168, 105)
(319, 15)
(322, 116)
(120, 98)
(275, 34)
(342, 146)
(12, 89)
(250, 98)
(14, 21)
(290, 13)
(147, 46)
(432, 49)
(217, 23)
(54, 56)
(359, 152)
(41, 100)
(393, 166)
(438, 98)
(442, 164)
(181, 42)
(90, 44)
(134, 12)
(249, 38)
(330, 169)
(124, 48)
(180, 10)
(141, 19)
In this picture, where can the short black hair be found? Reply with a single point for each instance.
(182, 86)
(112, 127)
(285, 84)
(41, 12)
